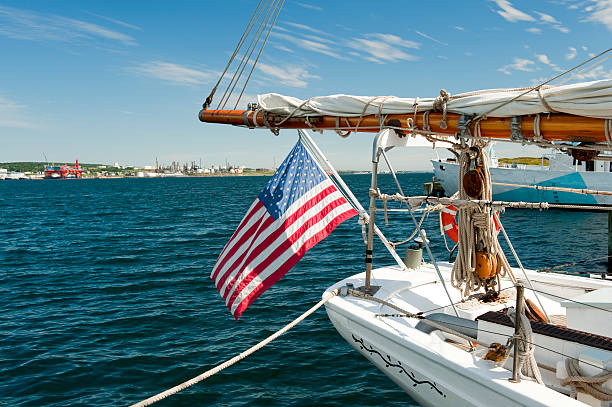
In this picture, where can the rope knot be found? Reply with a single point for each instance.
(440, 104)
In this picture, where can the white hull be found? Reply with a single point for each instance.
(448, 175)
(431, 370)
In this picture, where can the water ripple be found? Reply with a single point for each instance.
(107, 299)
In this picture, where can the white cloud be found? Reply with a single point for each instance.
(394, 39)
(543, 58)
(318, 38)
(596, 73)
(283, 48)
(571, 54)
(175, 73)
(13, 115)
(519, 64)
(310, 45)
(309, 6)
(381, 48)
(547, 18)
(113, 20)
(552, 21)
(430, 38)
(26, 25)
(510, 13)
(306, 28)
(294, 76)
(534, 30)
(601, 12)
(460, 28)
(584, 48)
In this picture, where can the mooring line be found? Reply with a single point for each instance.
(236, 358)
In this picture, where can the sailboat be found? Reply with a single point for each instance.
(477, 331)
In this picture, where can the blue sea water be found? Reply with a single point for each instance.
(105, 297)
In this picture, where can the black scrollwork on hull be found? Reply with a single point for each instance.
(390, 363)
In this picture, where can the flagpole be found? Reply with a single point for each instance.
(362, 212)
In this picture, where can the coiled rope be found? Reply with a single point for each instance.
(236, 358)
(528, 367)
(476, 228)
(592, 385)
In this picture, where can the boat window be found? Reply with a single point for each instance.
(590, 165)
(610, 166)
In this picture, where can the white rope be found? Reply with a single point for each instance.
(537, 135)
(236, 358)
(528, 367)
(592, 385)
(476, 230)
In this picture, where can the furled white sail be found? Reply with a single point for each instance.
(590, 99)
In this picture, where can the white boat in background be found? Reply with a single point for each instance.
(562, 171)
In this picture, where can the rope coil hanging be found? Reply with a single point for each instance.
(477, 231)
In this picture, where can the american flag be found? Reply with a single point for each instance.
(298, 208)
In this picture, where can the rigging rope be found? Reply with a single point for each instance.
(528, 367)
(236, 358)
(245, 59)
(259, 53)
(245, 34)
(476, 230)
(592, 385)
(260, 20)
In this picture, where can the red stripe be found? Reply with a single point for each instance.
(278, 274)
(270, 239)
(244, 238)
(257, 228)
(257, 205)
(282, 248)
(278, 251)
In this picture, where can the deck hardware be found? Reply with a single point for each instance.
(463, 126)
(344, 291)
(520, 295)
(516, 133)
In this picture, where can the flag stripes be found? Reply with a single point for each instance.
(299, 207)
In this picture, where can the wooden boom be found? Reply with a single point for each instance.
(553, 127)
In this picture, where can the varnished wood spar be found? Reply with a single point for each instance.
(553, 127)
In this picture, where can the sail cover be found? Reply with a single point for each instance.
(590, 99)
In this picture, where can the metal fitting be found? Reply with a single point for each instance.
(344, 291)
(516, 132)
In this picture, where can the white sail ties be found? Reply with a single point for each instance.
(440, 104)
(537, 135)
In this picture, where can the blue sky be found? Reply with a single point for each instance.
(123, 81)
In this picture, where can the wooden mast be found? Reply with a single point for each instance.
(553, 127)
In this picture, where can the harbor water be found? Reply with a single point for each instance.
(106, 297)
